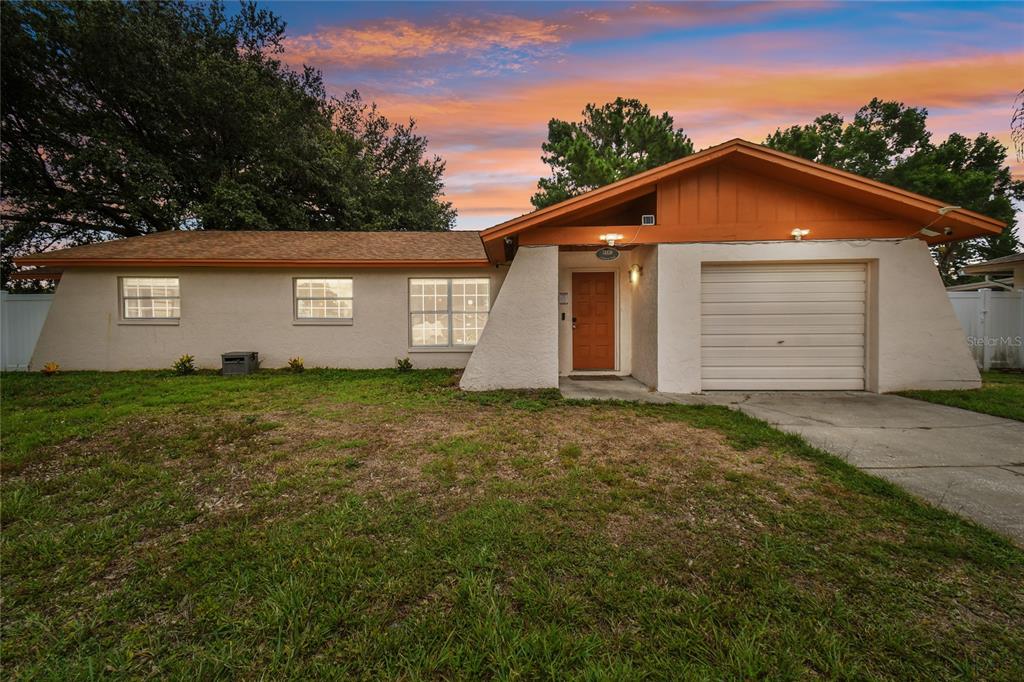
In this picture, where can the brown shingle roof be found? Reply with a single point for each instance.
(208, 247)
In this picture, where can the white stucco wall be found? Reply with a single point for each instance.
(231, 309)
(914, 339)
(519, 346)
(645, 317)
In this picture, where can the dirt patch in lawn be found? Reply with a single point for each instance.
(601, 470)
(448, 456)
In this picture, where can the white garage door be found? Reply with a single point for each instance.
(783, 327)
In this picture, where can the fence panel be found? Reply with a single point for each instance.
(993, 323)
(21, 320)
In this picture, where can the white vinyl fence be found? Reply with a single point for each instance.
(994, 324)
(21, 320)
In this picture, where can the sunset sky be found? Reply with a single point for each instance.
(482, 80)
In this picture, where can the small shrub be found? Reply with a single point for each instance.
(296, 365)
(50, 368)
(184, 365)
(403, 364)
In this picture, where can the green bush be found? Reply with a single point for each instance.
(296, 365)
(403, 364)
(184, 365)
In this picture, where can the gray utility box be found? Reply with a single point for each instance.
(239, 362)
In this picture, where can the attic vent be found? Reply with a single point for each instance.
(647, 220)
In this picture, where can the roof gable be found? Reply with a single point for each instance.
(794, 188)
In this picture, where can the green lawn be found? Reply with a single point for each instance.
(1001, 394)
(383, 525)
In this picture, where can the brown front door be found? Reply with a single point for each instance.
(593, 321)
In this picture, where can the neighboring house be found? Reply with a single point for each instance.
(717, 293)
(1011, 267)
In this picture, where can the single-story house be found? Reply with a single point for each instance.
(738, 267)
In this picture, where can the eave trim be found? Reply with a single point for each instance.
(40, 259)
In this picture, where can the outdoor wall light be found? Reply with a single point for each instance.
(610, 238)
(634, 273)
(799, 233)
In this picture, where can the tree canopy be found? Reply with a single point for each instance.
(612, 142)
(124, 118)
(890, 142)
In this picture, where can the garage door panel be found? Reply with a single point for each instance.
(796, 320)
(785, 372)
(779, 296)
(782, 286)
(778, 275)
(784, 385)
(747, 307)
(800, 340)
(781, 355)
(780, 331)
(774, 360)
(783, 327)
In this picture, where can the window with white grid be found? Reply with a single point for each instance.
(150, 298)
(323, 299)
(448, 312)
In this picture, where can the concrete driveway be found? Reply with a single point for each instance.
(969, 463)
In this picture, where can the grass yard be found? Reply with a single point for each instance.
(384, 525)
(1001, 394)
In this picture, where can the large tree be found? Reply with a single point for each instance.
(612, 142)
(890, 142)
(124, 118)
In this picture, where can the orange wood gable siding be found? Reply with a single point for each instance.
(739, 191)
(727, 203)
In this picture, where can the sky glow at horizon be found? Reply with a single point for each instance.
(483, 79)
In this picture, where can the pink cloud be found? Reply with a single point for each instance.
(492, 139)
(387, 42)
(384, 43)
(708, 94)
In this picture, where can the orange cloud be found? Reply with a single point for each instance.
(712, 103)
(492, 180)
(388, 41)
(493, 198)
(384, 43)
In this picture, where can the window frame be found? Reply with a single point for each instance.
(451, 346)
(330, 321)
(157, 321)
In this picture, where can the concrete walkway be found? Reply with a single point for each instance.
(969, 463)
